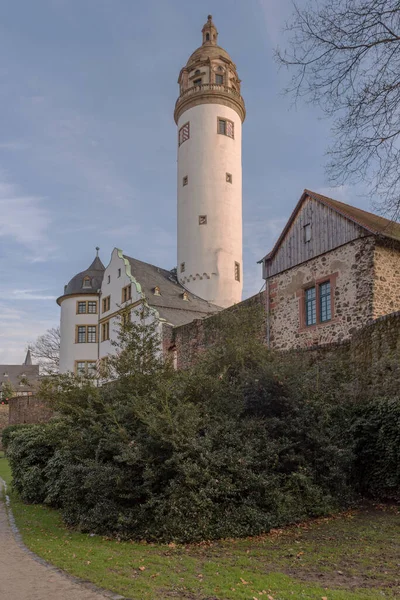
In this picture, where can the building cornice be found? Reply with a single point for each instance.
(210, 93)
(76, 294)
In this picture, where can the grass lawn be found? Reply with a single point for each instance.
(354, 556)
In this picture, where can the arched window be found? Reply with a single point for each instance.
(207, 37)
(197, 72)
(86, 282)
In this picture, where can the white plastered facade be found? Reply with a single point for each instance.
(212, 163)
(70, 350)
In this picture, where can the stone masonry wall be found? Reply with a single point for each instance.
(3, 418)
(386, 297)
(28, 409)
(351, 270)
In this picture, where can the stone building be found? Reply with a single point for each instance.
(334, 269)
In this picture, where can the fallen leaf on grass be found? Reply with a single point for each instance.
(142, 568)
(243, 581)
(324, 598)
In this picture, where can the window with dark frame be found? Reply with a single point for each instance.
(229, 178)
(105, 331)
(81, 367)
(106, 303)
(91, 334)
(310, 306)
(226, 127)
(81, 308)
(197, 81)
(92, 307)
(126, 293)
(81, 338)
(184, 133)
(325, 309)
(219, 79)
(185, 180)
(182, 267)
(119, 272)
(203, 220)
(237, 271)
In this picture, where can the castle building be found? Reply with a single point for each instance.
(209, 114)
(18, 380)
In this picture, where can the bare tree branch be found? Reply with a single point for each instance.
(345, 57)
(46, 351)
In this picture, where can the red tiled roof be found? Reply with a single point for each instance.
(374, 224)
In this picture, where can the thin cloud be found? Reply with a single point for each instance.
(30, 295)
(23, 219)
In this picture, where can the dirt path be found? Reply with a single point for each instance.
(23, 578)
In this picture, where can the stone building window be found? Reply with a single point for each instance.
(185, 180)
(119, 272)
(86, 334)
(219, 79)
(105, 331)
(92, 307)
(317, 304)
(184, 133)
(83, 307)
(311, 306)
(226, 127)
(106, 303)
(203, 220)
(325, 310)
(86, 368)
(182, 267)
(229, 178)
(197, 81)
(126, 293)
(237, 271)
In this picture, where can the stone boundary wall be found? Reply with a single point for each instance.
(373, 350)
(28, 409)
(4, 410)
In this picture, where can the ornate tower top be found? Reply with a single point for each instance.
(210, 33)
(209, 76)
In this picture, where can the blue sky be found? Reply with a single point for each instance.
(88, 141)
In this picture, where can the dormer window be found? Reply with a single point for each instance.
(157, 291)
(87, 282)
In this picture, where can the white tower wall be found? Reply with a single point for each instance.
(209, 251)
(70, 351)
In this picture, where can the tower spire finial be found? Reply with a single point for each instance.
(97, 250)
(210, 33)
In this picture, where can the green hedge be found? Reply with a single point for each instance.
(242, 442)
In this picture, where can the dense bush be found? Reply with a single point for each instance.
(242, 442)
(7, 433)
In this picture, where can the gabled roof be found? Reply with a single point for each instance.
(170, 303)
(373, 224)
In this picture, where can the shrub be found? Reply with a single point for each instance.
(7, 433)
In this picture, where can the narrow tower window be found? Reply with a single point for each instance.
(182, 267)
(185, 180)
(207, 37)
(229, 178)
(237, 271)
(307, 233)
(203, 220)
(219, 79)
(184, 133)
(226, 127)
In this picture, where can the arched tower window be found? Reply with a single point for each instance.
(208, 37)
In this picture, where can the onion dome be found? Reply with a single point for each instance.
(86, 282)
(209, 76)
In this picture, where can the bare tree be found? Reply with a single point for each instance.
(345, 57)
(46, 351)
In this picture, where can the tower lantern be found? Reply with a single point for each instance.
(209, 114)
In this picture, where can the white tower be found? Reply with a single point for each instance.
(79, 328)
(209, 113)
